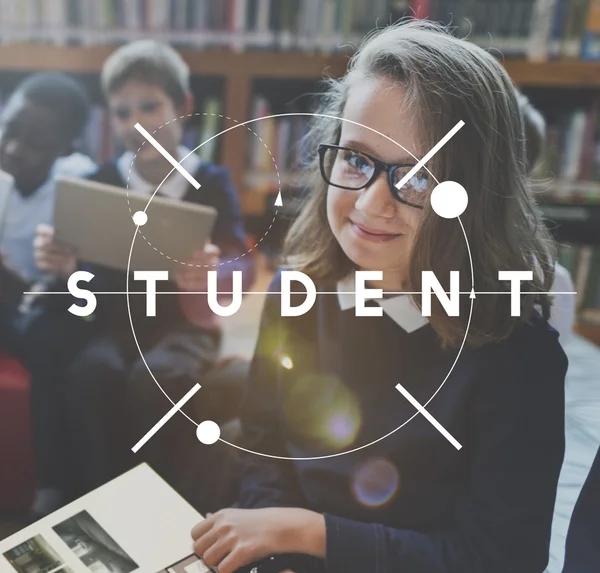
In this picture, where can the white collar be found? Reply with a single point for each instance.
(401, 308)
(175, 187)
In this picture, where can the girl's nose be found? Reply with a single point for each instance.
(377, 200)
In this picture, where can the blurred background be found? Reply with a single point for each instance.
(253, 58)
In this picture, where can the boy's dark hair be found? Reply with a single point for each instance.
(151, 62)
(61, 94)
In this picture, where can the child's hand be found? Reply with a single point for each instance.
(58, 260)
(234, 538)
(195, 278)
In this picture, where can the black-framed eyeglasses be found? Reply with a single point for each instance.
(350, 169)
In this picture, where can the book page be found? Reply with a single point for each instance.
(136, 522)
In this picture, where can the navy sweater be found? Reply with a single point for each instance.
(411, 502)
(228, 234)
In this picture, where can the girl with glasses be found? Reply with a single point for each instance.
(351, 476)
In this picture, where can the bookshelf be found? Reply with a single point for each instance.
(239, 69)
(237, 74)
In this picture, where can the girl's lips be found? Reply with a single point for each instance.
(371, 235)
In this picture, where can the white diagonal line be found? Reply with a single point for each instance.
(428, 416)
(165, 418)
(167, 155)
(430, 154)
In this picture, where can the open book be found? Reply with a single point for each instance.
(136, 522)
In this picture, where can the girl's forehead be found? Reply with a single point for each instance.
(375, 116)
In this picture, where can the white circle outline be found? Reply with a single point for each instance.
(290, 458)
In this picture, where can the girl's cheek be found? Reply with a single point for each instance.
(332, 208)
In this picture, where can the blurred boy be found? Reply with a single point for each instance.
(113, 400)
(39, 123)
(41, 120)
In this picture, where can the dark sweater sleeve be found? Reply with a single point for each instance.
(266, 480)
(229, 233)
(503, 514)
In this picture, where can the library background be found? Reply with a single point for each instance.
(252, 58)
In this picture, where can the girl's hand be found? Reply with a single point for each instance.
(58, 260)
(233, 538)
(195, 278)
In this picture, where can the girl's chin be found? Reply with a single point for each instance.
(367, 259)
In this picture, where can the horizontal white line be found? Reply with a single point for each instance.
(428, 416)
(165, 418)
(167, 155)
(279, 292)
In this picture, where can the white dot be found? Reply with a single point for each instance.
(449, 199)
(208, 432)
(140, 218)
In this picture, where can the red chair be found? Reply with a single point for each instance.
(16, 453)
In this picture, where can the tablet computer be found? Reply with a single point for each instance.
(96, 219)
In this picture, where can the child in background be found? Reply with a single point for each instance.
(563, 307)
(40, 122)
(325, 383)
(112, 400)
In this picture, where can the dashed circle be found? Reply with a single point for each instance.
(184, 263)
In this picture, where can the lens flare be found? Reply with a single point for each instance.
(320, 409)
(286, 362)
(375, 482)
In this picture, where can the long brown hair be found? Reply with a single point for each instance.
(445, 80)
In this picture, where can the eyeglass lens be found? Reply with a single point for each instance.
(353, 170)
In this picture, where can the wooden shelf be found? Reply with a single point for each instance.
(30, 57)
(561, 73)
(239, 69)
(78, 59)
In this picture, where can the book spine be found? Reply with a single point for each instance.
(557, 32)
(420, 9)
(587, 154)
(591, 295)
(581, 276)
(541, 26)
(573, 146)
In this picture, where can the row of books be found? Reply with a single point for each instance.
(275, 150)
(572, 154)
(537, 28)
(239, 24)
(99, 143)
(583, 262)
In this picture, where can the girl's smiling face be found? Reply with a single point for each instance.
(375, 230)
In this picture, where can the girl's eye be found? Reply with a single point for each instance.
(415, 189)
(418, 183)
(357, 161)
